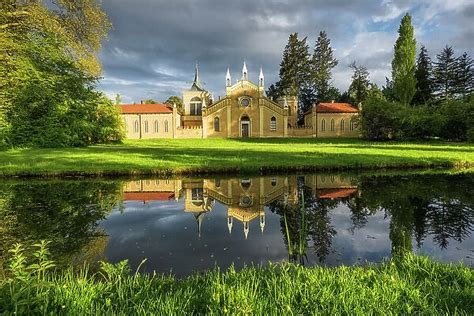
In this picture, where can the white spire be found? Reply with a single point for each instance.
(230, 222)
(246, 229)
(261, 78)
(262, 222)
(245, 73)
(228, 80)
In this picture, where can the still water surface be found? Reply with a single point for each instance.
(186, 225)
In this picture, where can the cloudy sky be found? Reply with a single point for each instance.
(154, 44)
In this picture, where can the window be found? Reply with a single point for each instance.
(352, 125)
(273, 124)
(136, 126)
(274, 182)
(195, 106)
(166, 126)
(146, 126)
(156, 128)
(196, 194)
(323, 125)
(332, 125)
(343, 125)
(217, 127)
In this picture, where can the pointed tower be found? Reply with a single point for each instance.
(230, 222)
(245, 73)
(196, 83)
(228, 80)
(262, 221)
(261, 78)
(246, 229)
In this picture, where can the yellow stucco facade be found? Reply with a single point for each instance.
(244, 111)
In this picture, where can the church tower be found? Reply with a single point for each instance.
(245, 73)
(195, 101)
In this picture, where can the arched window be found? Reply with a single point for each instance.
(146, 126)
(332, 125)
(323, 125)
(273, 124)
(274, 182)
(166, 126)
(352, 125)
(156, 127)
(136, 126)
(343, 125)
(217, 126)
(195, 106)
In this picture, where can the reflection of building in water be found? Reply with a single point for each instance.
(245, 198)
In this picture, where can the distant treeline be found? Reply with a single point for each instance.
(423, 99)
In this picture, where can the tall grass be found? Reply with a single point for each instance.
(409, 285)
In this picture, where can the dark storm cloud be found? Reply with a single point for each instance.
(154, 45)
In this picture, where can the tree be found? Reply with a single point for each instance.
(424, 89)
(322, 62)
(272, 92)
(403, 64)
(359, 88)
(464, 75)
(445, 74)
(149, 101)
(176, 100)
(294, 69)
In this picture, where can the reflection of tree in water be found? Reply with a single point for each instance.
(422, 205)
(63, 212)
(314, 224)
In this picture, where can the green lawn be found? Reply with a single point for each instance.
(408, 285)
(232, 155)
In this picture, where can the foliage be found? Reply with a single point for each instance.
(383, 119)
(405, 285)
(176, 100)
(360, 85)
(444, 74)
(424, 85)
(322, 63)
(403, 63)
(48, 87)
(464, 75)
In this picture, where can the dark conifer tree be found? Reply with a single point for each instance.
(322, 63)
(424, 89)
(464, 80)
(359, 88)
(272, 92)
(444, 74)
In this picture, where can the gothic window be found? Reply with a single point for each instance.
(146, 126)
(323, 125)
(273, 124)
(332, 125)
(166, 126)
(352, 125)
(217, 126)
(136, 126)
(343, 125)
(156, 126)
(195, 106)
(274, 182)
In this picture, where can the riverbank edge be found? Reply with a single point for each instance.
(233, 170)
(408, 284)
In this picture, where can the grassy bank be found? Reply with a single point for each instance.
(409, 285)
(187, 156)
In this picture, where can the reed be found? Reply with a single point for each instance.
(410, 284)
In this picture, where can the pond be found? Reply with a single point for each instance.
(182, 226)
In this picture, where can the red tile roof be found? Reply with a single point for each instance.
(148, 196)
(335, 193)
(145, 108)
(336, 108)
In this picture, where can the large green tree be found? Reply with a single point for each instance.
(360, 85)
(444, 74)
(49, 68)
(464, 75)
(424, 85)
(322, 63)
(403, 63)
(294, 69)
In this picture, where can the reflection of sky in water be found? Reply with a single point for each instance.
(168, 237)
